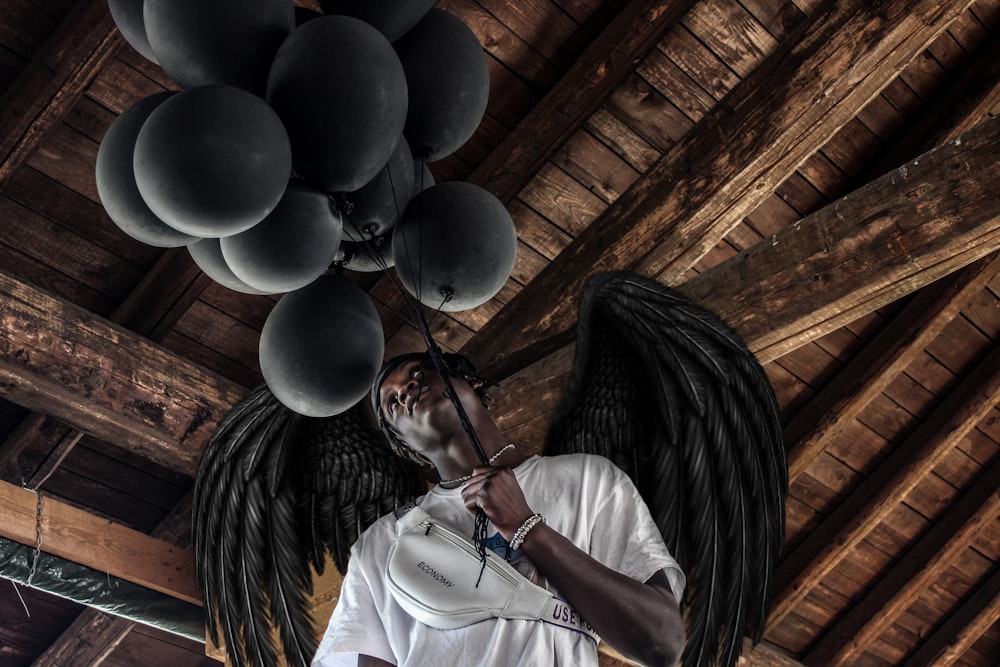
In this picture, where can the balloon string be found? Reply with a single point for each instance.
(423, 326)
(420, 321)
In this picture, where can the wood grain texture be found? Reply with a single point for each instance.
(702, 187)
(73, 534)
(102, 379)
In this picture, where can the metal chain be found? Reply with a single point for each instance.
(38, 537)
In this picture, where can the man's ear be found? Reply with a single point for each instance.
(474, 382)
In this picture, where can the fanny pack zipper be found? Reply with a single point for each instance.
(463, 544)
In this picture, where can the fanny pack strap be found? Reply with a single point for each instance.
(558, 612)
(555, 611)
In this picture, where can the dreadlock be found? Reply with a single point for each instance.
(458, 366)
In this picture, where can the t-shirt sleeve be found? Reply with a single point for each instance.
(625, 537)
(355, 626)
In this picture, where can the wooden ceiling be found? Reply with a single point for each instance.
(823, 174)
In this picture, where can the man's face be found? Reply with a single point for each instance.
(414, 405)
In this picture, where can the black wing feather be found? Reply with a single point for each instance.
(671, 394)
(275, 492)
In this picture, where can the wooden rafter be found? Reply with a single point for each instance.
(600, 69)
(731, 161)
(102, 379)
(923, 564)
(883, 489)
(848, 259)
(79, 536)
(596, 72)
(901, 232)
(824, 418)
(55, 78)
(965, 625)
(93, 635)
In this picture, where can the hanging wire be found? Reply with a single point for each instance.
(420, 322)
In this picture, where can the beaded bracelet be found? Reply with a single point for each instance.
(518, 539)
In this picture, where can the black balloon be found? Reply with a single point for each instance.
(289, 248)
(391, 17)
(303, 14)
(204, 42)
(422, 176)
(375, 208)
(321, 347)
(366, 256)
(458, 240)
(116, 179)
(127, 15)
(339, 88)
(207, 254)
(449, 84)
(212, 161)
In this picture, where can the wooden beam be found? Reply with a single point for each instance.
(109, 547)
(903, 231)
(33, 450)
(823, 419)
(52, 82)
(739, 153)
(89, 640)
(891, 237)
(764, 655)
(163, 295)
(61, 360)
(978, 613)
(875, 497)
(94, 635)
(967, 101)
(913, 572)
(601, 68)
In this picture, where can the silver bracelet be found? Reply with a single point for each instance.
(518, 539)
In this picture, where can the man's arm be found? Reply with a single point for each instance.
(640, 619)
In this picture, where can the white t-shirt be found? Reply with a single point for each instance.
(586, 498)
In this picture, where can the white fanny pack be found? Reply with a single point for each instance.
(432, 573)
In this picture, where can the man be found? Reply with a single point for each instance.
(573, 524)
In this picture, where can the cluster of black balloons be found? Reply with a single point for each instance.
(299, 141)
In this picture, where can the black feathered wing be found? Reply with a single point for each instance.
(275, 492)
(671, 394)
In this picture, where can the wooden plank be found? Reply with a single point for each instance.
(876, 496)
(100, 378)
(820, 256)
(89, 640)
(961, 106)
(25, 27)
(921, 565)
(23, 637)
(864, 251)
(957, 634)
(499, 40)
(56, 76)
(783, 112)
(78, 536)
(153, 303)
(94, 635)
(869, 373)
(597, 71)
(728, 30)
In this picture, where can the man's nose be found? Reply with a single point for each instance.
(406, 390)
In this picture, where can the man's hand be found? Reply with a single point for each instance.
(497, 492)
